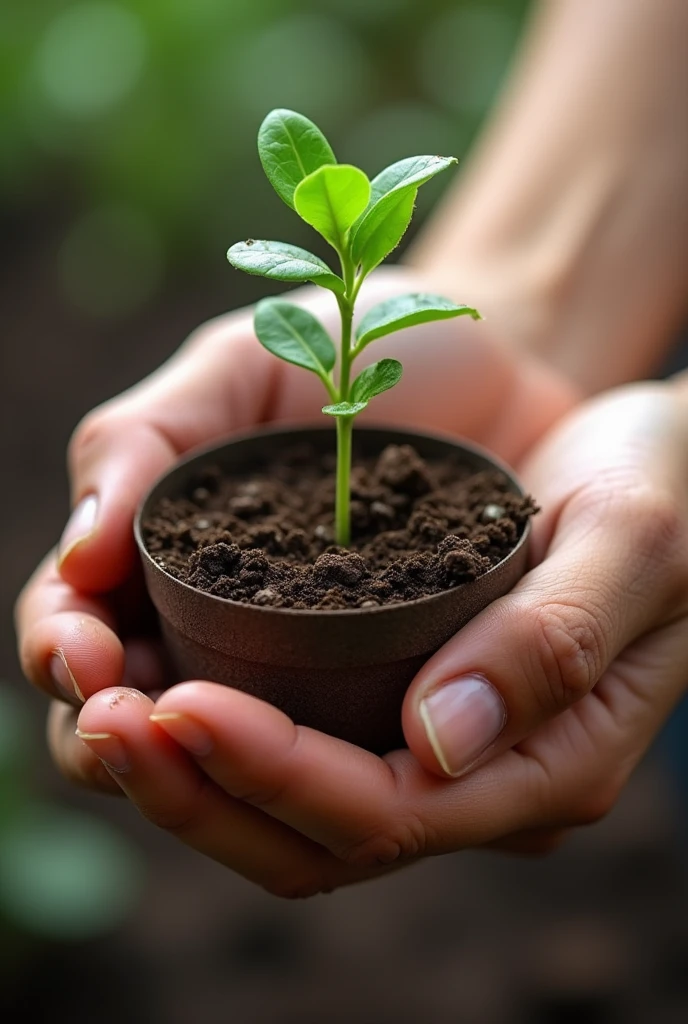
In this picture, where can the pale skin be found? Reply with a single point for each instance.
(588, 652)
(569, 224)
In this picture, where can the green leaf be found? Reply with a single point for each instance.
(375, 379)
(294, 334)
(407, 311)
(413, 170)
(331, 199)
(381, 230)
(282, 262)
(290, 148)
(344, 408)
(392, 195)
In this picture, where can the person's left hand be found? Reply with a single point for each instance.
(541, 706)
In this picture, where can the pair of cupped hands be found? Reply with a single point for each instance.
(526, 724)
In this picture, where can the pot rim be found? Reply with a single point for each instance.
(281, 429)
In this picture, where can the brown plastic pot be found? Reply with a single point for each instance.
(342, 672)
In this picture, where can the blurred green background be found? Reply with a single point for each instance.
(127, 167)
(141, 115)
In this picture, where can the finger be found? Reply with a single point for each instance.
(218, 382)
(369, 812)
(321, 786)
(68, 645)
(372, 813)
(46, 593)
(175, 795)
(610, 573)
(77, 763)
(584, 758)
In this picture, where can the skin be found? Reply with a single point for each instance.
(588, 652)
(568, 226)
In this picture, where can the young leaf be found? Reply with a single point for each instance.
(375, 379)
(290, 148)
(406, 311)
(344, 408)
(392, 195)
(413, 170)
(381, 230)
(282, 262)
(294, 334)
(331, 199)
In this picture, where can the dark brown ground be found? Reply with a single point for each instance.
(267, 538)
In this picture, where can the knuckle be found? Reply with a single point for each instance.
(214, 329)
(275, 791)
(569, 646)
(263, 798)
(180, 820)
(560, 804)
(659, 526)
(405, 840)
(83, 435)
(595, 803)
(89, 433)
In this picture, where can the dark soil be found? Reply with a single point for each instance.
(267, 538)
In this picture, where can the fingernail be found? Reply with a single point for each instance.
(63, 677)
(81, 525)
(108, 748)
(186, 732)
(462, 719)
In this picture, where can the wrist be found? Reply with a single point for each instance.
(569, 227)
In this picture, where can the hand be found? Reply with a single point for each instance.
(585, 659)
(84, 622)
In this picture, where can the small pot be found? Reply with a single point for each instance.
(342, 672)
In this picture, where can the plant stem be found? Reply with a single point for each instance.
(344, 423)
(342, 503)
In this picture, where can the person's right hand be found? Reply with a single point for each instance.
(84, 622)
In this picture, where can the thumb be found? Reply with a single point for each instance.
(610, 574)
(218, 382)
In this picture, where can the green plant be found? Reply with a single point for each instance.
(363, 221)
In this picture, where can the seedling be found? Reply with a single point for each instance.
(363, 221)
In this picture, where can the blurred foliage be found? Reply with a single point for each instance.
(63, 874)
(140, 116)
